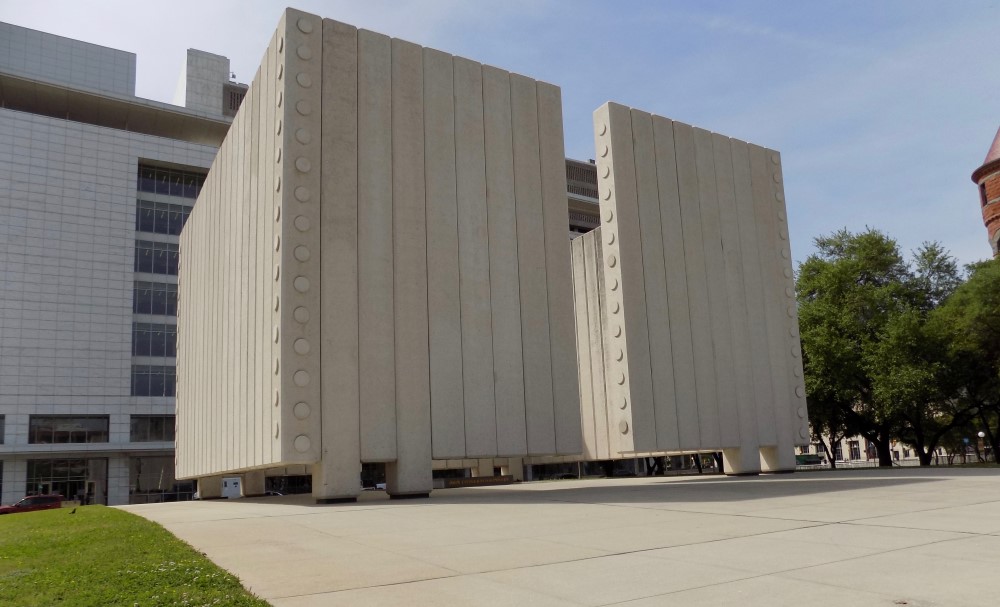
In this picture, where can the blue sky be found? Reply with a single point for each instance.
(881, 110)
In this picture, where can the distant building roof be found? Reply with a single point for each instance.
(992, 159)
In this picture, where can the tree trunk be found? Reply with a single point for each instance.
(829, 453)
(884, 453)
(925, 457)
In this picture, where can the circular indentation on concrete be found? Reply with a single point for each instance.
(304, 80)
(782, 233)
(277, 271)
(281, 44)
(277, 242)
(623, 402)
(614, 284)
(277, 303)
(301, 284)
(276, 430)
(621, 378)
(786, 253)
(301, 378)
(612, 261)
(303, 165)
(305, 26)
(795, 352)
(303, 136)
(611, 238)
(623, 427)
(277, 184)
(804, 433)
(302, 193)
(301, 315)
(801, 412)
(606, 172)
(789, 292)
(302, 443)
(615, 307)
(277, 155)
(302, 253)
(800, 391)
(782, 216)
(303, 107)
(301, 346)
(793, 331)
(787, 272)
(276, 334)
(776, 177)
(604, 151)
(277, 398)
(277, 213)
(281, 71)
(281, 98)
(602, 129)
(618, 331)
(775, 159)
(302, 223)
(619, 355)
(609, 216)
(304, 52)
(277, 128)
(779, 196)
(791, 311)
(301, 410)
(277, 366)
(607, 194)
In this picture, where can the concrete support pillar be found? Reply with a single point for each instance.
(514, 467)
(210, 487)
(15, 478)
(408, 481)
(484, 467)
(253, 483)
(741, 462)
(335, 482)
(775, 460)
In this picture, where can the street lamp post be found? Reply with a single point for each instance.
(982, 447)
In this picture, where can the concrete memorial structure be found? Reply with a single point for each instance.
(686, 317)
(378, 270)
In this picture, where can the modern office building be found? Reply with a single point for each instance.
(987, 178)
(95, 185)
(378, 272)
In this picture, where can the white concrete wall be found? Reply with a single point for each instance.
(74, 62)
(703, 330)
(439, 266)
(201, 84)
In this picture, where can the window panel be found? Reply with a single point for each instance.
(53, 429)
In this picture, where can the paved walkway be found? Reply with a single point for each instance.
(916, 537)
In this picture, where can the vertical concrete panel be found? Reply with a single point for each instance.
(654, 274)
(620, 204)
(411, 472)
(756, 323)
(443, 296)
(552, 159)
(582, 312)
(474, 262)
(375, 260)
(340, 461)
(596, 327)
(746, 431)
(254, 270)
(504, 289)
(531, 259)
(675, 271)
(697, 284)
(774, 311)
(240, 219)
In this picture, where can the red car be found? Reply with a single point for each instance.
(34, 502)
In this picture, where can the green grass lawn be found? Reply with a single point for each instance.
(104, 556)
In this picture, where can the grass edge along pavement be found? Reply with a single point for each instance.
(104, 556)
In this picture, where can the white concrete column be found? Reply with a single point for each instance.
(15, 475)
(514, 467)
(118, 480)
(776, 459)
(210, 487)
(484, 467)
(253, 483)
(743, 461)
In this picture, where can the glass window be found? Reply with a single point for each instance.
(154, 339)
(151, 480)
(154, 298)
(153, 380)
(3, 428)
(160, 217)
(156, 257)
(855, 450)
(81, 479)
(54, 429)
(149, 428)
(171, 182)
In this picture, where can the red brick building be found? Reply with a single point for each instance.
(987, 177)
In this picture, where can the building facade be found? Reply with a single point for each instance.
(95, 185)
(987, 178)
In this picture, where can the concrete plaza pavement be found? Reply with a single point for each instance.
(916, 537)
